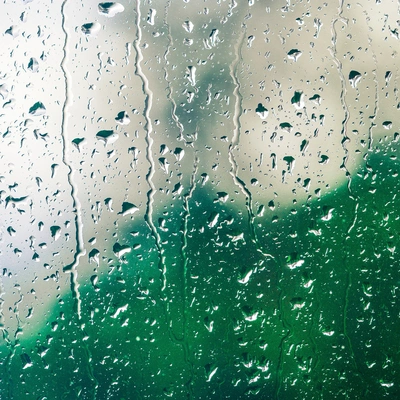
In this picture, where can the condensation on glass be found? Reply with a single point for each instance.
(199, 199)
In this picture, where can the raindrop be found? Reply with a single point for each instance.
(213, 219)
(188, 26)
(210, 371)
(164, 164)
(120, 250)
(122, 118)
(354, 78)
(388, 76)
(261, 111)
(13, 31)
(324, 159)
(286, 126)
(179, 153)
(298, 100)
(37, 109)
(110, 9)
(77, 142)
(304, 146)
(387, 124)
(91, 28)
(127, 208)
(214, 37)
(108, 202)
(55, 232)
(95, 279)
(151, 16)
(11, 231)
(191, 75)
(107, 136)
(223, 197)
(33, 65)
(178, 188)
(94, 255)
(250, 40)
(316, 99)
(294, 54)
(26, 361)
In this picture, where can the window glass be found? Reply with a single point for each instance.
(199, 199)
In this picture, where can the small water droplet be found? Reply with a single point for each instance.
(210, 371)
(294, 54)
(13, 31)
(37, 109)
(119, 250)
(55, 232)
(164, 164)
(33, 65)
(151, 16)
(26, 361)
(110, 9)
(77, 142)
(387, 124)
(91, 28)
(128, 208)
(298, 100)
(123, 118)
(261, 111)
(223, 196)
(354, 78)
(213, 219)
(107, 136)
(188, 26)
(191, 75)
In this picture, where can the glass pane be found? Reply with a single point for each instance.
(199, 200)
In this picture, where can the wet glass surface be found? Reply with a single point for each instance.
(199, 200)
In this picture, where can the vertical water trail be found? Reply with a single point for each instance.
(314, 332)
(80, 250)
(149, 141)
(355, 216)
(186, 217)
(345, 138)
(372, 118)
(279, 374)
(343, 92)
(7, 364)
(183, 341)
(233, 69)
(12, 345)
(170, 90)
(2, 294)
(369, 149)
(376, 100)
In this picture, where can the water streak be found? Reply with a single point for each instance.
(376, 100)
(149, 141)
(170, 89)
(235, 142)
(80, 250)
(343, 92)
(345, 139)
(186, 217)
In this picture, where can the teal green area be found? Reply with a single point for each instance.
(297, 304)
